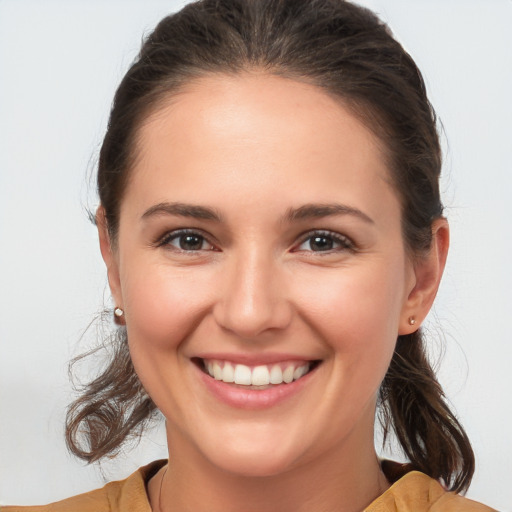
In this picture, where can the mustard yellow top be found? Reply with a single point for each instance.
(413, 492)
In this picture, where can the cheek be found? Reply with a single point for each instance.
(164, 305)
(357, 310)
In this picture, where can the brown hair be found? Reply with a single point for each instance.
(348, 52)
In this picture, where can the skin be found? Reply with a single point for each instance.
(252, 148)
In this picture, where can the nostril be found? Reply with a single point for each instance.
(250, 320)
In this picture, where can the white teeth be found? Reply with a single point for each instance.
(228, 373)
(299, 372)
(276, 375)
(262, 375)
(243, 375)
(217, 371)
(288, 374)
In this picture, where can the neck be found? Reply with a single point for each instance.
(346, 479)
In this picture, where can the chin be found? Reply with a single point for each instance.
(245, 457)
(254, 464)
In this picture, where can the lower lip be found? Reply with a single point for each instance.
(253, 399)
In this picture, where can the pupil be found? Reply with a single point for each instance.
(191, 242)
(321, 243)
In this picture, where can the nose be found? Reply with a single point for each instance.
(253, 297)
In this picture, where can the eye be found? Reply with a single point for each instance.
(187, 241)
(325, 241)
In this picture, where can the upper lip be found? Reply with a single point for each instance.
(254, 359)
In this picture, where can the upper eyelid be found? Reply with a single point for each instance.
(346, 244)
(300, 239)
(326, 232)
(174, 233)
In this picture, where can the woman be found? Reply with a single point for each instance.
(272, 229)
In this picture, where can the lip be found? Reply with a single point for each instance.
(242, 397)
(254, 359)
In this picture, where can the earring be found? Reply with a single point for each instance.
(118, 312)
(412, 320)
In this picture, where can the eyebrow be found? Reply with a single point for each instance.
(307, 211)
(182, 210)
(317, 211)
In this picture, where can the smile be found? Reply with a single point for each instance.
(261, 375)
(245, 382)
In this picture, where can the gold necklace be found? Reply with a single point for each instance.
(160, 490)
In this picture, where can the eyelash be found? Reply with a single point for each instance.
(342, 241)
(177, 234)
(345, 244)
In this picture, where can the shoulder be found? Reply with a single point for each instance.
(119, 496)
(417, 492)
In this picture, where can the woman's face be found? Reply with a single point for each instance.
(259, 240)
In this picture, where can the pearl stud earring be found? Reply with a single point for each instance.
(118, 312)
(412, 320)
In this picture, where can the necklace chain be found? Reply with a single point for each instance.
(160, 490)
(381, 487)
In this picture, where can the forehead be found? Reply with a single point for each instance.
(232, 134)
(250, 105)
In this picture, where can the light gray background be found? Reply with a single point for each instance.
(60, 62)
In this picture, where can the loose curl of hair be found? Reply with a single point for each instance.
(349, 53)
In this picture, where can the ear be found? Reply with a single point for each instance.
(427, 272)
(109, 257)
